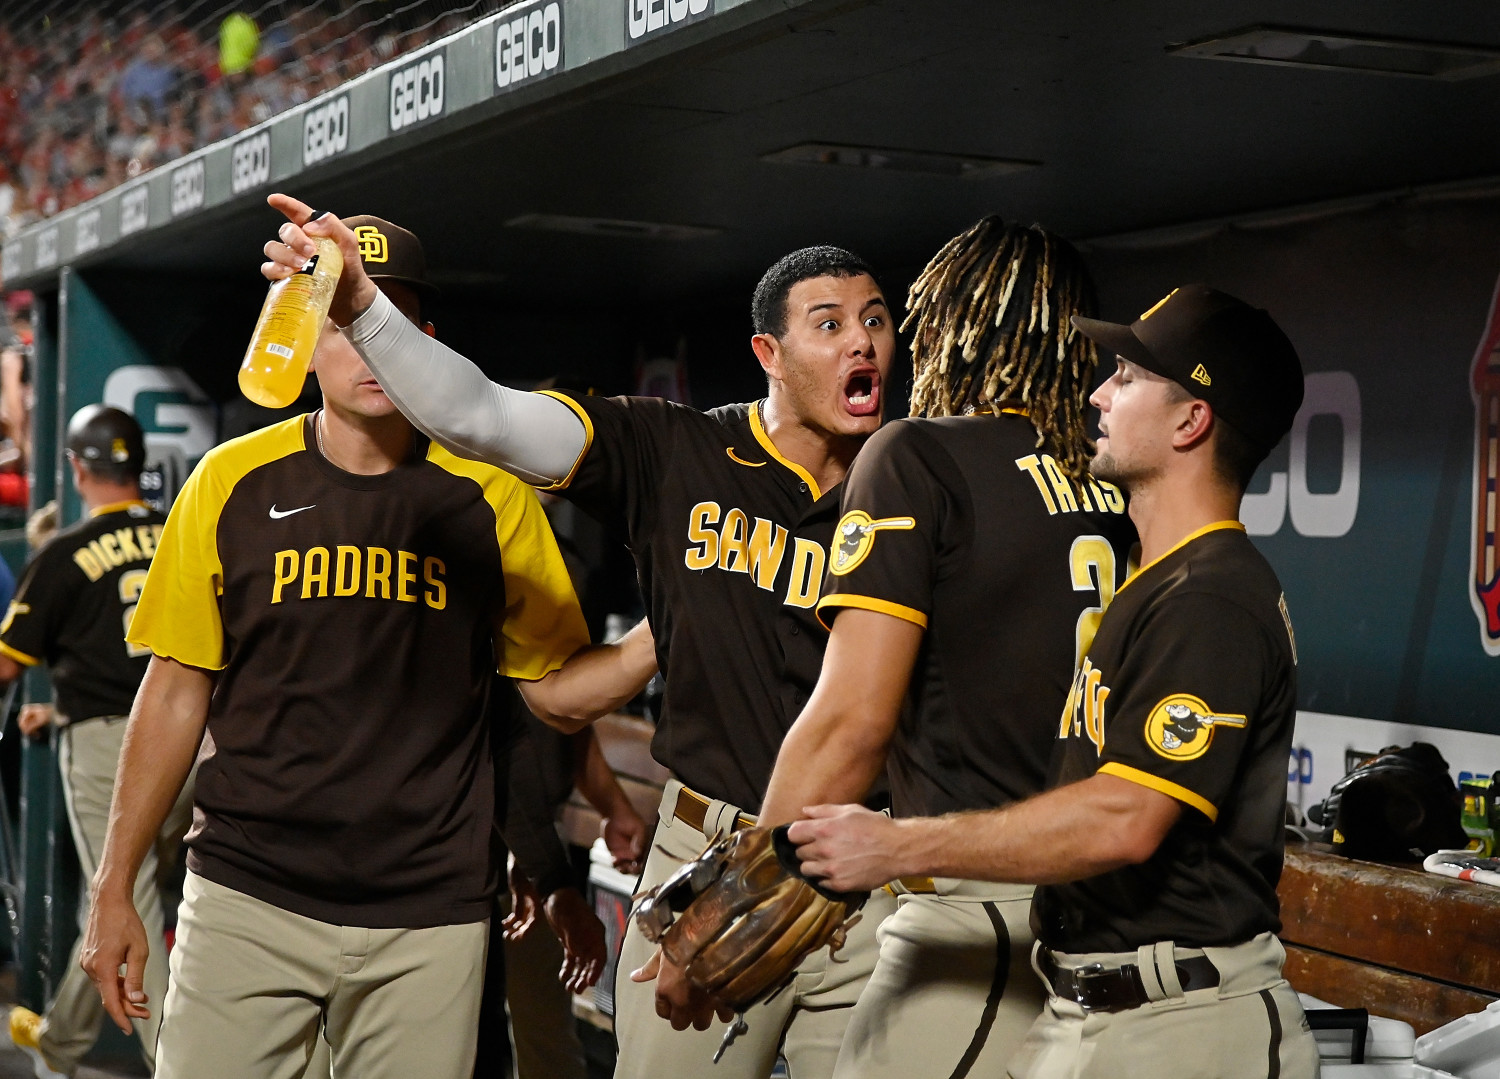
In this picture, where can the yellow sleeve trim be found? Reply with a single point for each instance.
(758, 429)
(1165, 786)
(1217, 526)
(870, 603)
(588, 437)
(20, 657)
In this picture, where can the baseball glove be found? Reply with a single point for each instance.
(741, 916)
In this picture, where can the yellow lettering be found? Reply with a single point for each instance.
(125, 537)
(131, 583)
(286, 572)
(1033, 464)
(1060, 485)
(734, 556)
(405, 576)
(1109, 495)
(1094, 696)
(318, 556)
(808, 559)
(346, 571)
(111, 548)
(87, 561)
(1083, 498)
(767, 545)
(379, 570)
(1069, 723)
(703, 550)
(146, 538)
(432, 572)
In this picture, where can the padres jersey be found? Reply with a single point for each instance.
(346, 774)
(963, 527)
(1190, 689)
(75, 603)
(730, 542)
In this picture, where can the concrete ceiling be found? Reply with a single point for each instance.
(1128, 138)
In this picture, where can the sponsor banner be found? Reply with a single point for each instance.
(325, 130)
(86, 231)
(646, 20)
(188, 187)
(47, 247)
(135, 209)
(528, 44)
(418, 91)
(250, 162)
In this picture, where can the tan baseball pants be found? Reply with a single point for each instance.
(1249, 1026)
(252, 984)
(806, 1022)
(88, 753)
(953, 993)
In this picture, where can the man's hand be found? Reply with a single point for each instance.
(523, 905)
(849, 848)
(34, 719)
(677, 1000)
(115, 937)
(625, 834)
(582, 936)
(355, 291)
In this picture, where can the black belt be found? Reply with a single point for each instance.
(1098, 988)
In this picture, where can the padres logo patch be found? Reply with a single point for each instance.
(1181, 727)
(856, 535)
(373, 246)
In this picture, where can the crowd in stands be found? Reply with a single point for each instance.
(89, 100)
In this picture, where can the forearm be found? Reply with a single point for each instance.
(829, 757)
(593, 776)
(535, 437)
(594, 682)
(1094, 826)
(161, 741)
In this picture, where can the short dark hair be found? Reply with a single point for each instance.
(1235, 457)
(768, 307)
(109, 471)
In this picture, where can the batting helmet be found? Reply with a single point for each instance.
(107, 439)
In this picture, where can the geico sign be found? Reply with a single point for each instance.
(135, 209)
(528, 45)
(417, 92)
(325, 130)
(187, 187)
(250, 165)
(644, 17)
(1324, 515)
(86, 236)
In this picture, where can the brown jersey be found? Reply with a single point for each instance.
(74, 604)
(963, 527)
(1189, 688)
(730, 542)
(356, 622)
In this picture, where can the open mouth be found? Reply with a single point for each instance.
(862, 393)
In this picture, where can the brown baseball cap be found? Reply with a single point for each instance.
(1221, 350)
(391, 253)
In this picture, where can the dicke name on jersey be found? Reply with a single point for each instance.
(734, 542)
(369, 572)
(136, 543)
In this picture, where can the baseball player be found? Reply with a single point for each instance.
(729, 515)
(967, 574)
(1159, 850)
(75, 602)
(330, 599)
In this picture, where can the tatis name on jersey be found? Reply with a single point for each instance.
(1060, 494)
(736, 543)
(370, 572)
(133, 544)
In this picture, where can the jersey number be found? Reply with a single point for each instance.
(1093, 564)
(131, 583)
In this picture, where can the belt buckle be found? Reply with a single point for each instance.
(1084, 978)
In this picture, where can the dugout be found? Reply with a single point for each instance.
(600, 182)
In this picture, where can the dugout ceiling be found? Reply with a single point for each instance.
(636, 169)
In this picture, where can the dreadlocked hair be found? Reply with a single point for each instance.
(991, 314)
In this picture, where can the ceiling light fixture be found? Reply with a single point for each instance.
(962, 166)
(610, 226)
(1337, 50)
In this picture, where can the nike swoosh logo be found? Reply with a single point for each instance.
(739, 461)
(277, 514)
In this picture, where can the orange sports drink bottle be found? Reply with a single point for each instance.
(281, 348)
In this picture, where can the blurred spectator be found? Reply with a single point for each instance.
(90, 99)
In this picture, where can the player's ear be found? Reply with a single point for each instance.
(1195, 422)
(768, 351)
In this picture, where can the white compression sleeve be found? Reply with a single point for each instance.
(535, 437)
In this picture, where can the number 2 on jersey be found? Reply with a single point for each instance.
(1093, 563)
(131, 583)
